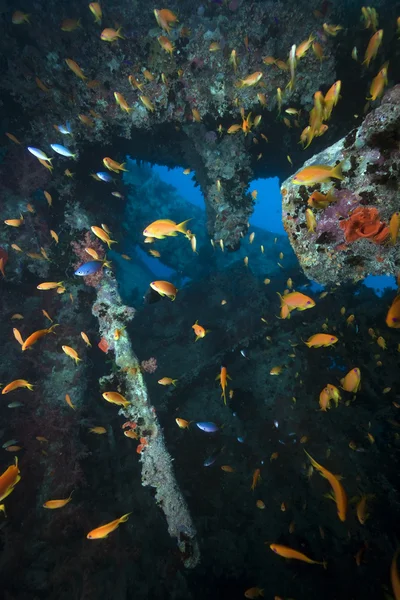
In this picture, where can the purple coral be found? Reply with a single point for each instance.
(149, 365)
(328, 223)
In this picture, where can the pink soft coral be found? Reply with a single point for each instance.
(149, 365)
(79, 249)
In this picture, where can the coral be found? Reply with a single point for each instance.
(22, 173)
(79, 249)
(150, 365)
(365, 223)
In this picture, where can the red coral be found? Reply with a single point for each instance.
(79, 249)
(364, 222)
(103, 345)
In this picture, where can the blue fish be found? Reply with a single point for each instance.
(207, 426)
(65, 129)
(89, 268)
(62, 150)
(104, 176)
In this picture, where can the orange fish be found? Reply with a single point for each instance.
(378, 84)
(287, 552)
(164, 288)
(112, 165)
(317, 174)
(134, 82)
(111, 35)
(18, 17)
(71, 353)
(18, 336)
(75, 68)
(122, 103)
(115, 398)
(352, 381)
(52, 504)
(49, 285)
(223, 378)
(99, 430)
(54, 236)
(69, 401)
(294, 300)
(105, 530)
(17, 383)
(103, 235)
(86, 339)
(14, 222)
(13, 138)
(256, 479)
(339, 494)
(9, 479)
(373, 47)
(147, 103)
(34, 337)
(96, 11)
(199, 331)
(393, 316)
(167, 381)
(164, 18)
(321, 339)
(166, 44)
(70, 24)
(182, 423)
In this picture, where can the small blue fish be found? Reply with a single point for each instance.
(89, 268)
(9, 443)
(39, 153)
(65, 129)
(210, 460)
(207, 426)
(62, 150)
(104, 176)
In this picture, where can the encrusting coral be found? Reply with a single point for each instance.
(365, 223)
(156, 462)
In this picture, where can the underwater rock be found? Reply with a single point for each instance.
(350, 239)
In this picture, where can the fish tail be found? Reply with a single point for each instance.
(119, 34)
(337, 171)
(30, 386)
(124, 518)
(181, 227)
(50, 329)
(109, 242)
(313, 462)
(122, 167)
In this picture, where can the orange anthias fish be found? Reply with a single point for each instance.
(317, 174)
(393, 316)
(9, 479)
(96, 11)
(165, 228)
(373, 47)
(294, 300)
(223, 378)
(167, 381)
(256, 479)
(111, 35)
(99, 430)
(166, 44)
(34, 337)
(352, 381)
(69, 401)
(103, 531)
(199, 331)
(339, 494)
(164, 18)
(182, 423)
(49, 285)
(122, 103)
(57, 503)
(75, 68)
(115, 398)
(321, 339)
(378, 84)
(249, 81)
(17, 383)
(71, 353)
(254, 592)
(287, 552)
(112, 165)
(164, 288)
(103, 235)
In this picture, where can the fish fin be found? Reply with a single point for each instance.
(337, 171)
(173, 234)
(122, 167)
(124, 518)
(174, 382)
(330, 496)
(119, 34)
(181, 227)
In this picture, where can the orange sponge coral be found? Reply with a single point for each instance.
(364, 222)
